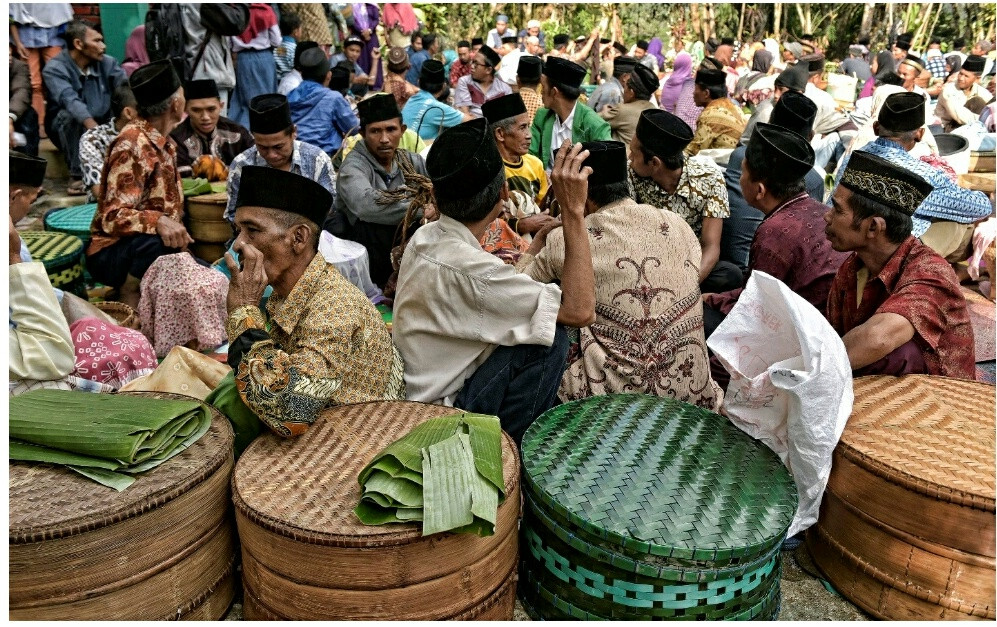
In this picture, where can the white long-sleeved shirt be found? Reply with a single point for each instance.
(40, 344)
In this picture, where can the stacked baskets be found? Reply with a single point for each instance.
(642, 507)
(306, 556)
(907, 529)
(164, 548)
(62, 256)
(208, 226)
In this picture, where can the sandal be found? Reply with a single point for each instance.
(76, 188)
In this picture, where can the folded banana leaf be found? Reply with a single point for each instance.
(446, 472)
(196, 187)
(106, 437)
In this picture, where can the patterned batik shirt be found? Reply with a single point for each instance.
(458, 70)
(719, 126)
(700, 193)
(228, 141)
(325, 344)
(93, 149)
(648, 331)
(308, 161)
(141, 184)
(532, 100)
(401, 89)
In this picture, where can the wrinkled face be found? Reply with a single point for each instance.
(21, 197)
(204, 114)
(464, 54)
(517, 139)
(480, 68)
(255, 226)
(352, 52)
(909, 74)
(637, 162)
(966, 79)
(92, 45)
(382, 138)
(277, 149)
(840, 232)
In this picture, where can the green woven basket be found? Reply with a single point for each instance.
(62, 256)
(72, 221)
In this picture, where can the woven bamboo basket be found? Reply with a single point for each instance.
(208, 252)
(124, 315)
(307, 557)
(163, 548)
(642, 507)
(211, 231)
(209, 207)
(907, 526)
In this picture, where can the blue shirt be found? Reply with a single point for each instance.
(323, 116)
(82, 95)
(428, 116)
(283, 55)
(418, 59)
(947, 201)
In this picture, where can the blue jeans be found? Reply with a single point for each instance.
(517, 383)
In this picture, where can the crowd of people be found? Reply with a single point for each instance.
(549, 217)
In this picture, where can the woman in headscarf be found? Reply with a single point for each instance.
(881, 65)
(135, 53)
(676, 91)
(751, 89)
(654, 49)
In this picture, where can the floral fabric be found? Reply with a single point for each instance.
(719, 126)
(700, 193)
(500, 240)
(108, 354)
(401, 89)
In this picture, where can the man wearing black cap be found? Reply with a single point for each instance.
(140, 206)
(901, 48)
(611, 92)
(528, 84)
(944, 220)
(303, 355)
(206, 131)
(721, 123)
(561, 42)
(430, 46)
(322, 116)
(370, 204)
(475, 333)
(481, 84)
(352, 49)
(637, 90)
(789, 243)
(424, 112)
(476, 43)
(693, 187)
(896, 303)
(647, 336)
(640, 53)
(462, 64)
(834, 129)
(562, 117)
(510, 61)
(277, 146)
(26, 174)
(951, 108)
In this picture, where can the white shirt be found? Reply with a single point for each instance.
(289, 83)
(561, 131)
(456, 303)
(509, 68)
(951, 106)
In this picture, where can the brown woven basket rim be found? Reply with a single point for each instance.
(213, 198)
(403, 536)
(87, 523)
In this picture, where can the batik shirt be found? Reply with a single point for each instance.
(458, 70)
(93, 149)
(532, 100)
(919, 285)
(700, 193)
(141, 184)
(228, 141)
(401, 89)
(719, 126)
(324, 344)
(308, 161)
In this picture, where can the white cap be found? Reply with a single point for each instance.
(533, 24)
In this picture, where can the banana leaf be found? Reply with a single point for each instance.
(106, 437)
(196, 187)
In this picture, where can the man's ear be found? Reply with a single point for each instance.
(877, 225)
(762, 190)
(919, 134)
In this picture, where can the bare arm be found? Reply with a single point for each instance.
(710, 241)
(879, 336)
(570, 182)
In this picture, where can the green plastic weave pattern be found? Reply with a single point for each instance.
(657, 476)
(62, 256)
(72, 220)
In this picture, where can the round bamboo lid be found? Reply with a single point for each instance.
(931, 435)
(306, 488)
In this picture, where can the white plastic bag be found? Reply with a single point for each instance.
(790, 385)
(351, 259)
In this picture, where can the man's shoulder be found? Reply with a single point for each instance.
(703, 167)
(532, 163)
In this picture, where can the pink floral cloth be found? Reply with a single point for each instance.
(110, 355)
(183, 304)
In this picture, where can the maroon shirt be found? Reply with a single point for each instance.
(458, 69)
(919, 285)
(791, 246)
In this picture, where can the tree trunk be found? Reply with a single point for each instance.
(777, 20)
(799, 15)
(697, 23)
(867, 13)
(740, 21)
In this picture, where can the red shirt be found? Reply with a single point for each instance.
(919, 285)
(458, 69)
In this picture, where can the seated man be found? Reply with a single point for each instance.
(693, 187)
(946, 218)
(834, 128)
(895, 302)
(322, 116)
(637, 90)
(793, 79)
(952, 109)
(321, 341)
(277, 146)
(563, 117)
(481, 85)
(789, 244)
(474, 333)
(721, 122)
(95, 142)
(371, 202)
(206, 131)
(611, 92)
(648, 333)
(22, 118)
(140, 206)
(360, 81)
(423, 112)
(79, 83)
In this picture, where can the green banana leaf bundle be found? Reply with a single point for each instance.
(446, 473)
(106, 437)
(195, 187)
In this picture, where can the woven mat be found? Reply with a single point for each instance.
(309, 483)
(659, 476)
(932, 431)
(49, 502)
(982, 314)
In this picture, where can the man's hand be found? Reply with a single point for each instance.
(90, 123)
(173, 234)
(570, 180)
(247, 285)
(14, 239)
(540, 238)
(534, 223)
(11, 132)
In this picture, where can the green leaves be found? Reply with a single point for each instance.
(196, 187)
(446, 472)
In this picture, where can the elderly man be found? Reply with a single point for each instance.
(648, 335)
(896, 303)
(322, 116)
(423, 112)
(509, 68)
(533, 30)
(721, 123)
(481, 84)
(910, 69)
(277, 146)
(79, 83)
(693, 187)
(945, 219)
(369, 205)
(611, 92)
(562, 117)
(475, 334)
(139, 214)
(637, 91)
(304, 354)
(951, 108)
(206, 131)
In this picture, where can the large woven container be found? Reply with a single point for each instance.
(907, 527)
(306, 556)
(74, 221)
(164, 548)
(62, 256)
(207, 221)
(643, 507)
